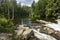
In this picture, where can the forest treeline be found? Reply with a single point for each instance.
(42, 9)
(46, 9)
(10, 10)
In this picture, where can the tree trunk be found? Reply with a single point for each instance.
(12, 13)
(22, 21)
(8, 14)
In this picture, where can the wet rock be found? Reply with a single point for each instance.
(58, 21)
(58, 17)
(42, 21)
(43, 36)
(50, 31)
(46, 30)
(25, 33)
(56, 34)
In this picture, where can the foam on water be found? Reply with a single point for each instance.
(58, 21)
(54, 26)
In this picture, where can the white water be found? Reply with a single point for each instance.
(54, 26)
(58, 21)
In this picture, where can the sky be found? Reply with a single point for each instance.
(26, 2)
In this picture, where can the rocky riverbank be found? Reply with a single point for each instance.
(25, 33)
(47, 31)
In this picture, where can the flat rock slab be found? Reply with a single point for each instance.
(42, 36)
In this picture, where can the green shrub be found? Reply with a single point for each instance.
(5, 25)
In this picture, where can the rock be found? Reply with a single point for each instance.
(25, 33)
(58, 17)
(5, 36)
(42, 36)
(52, 29)
(55, 32)
(28, 33)
(42, 21)
(46, 30)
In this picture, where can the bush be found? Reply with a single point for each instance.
(5, 25)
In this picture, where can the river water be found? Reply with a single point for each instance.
(54, 25)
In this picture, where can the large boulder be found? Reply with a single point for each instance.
(56, 34)
(43, 36)
(51, 29)
(46, 30)
(25, 33)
